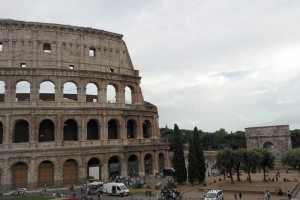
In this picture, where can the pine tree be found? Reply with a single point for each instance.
(193, 172)
(199, 156)
(178, 159)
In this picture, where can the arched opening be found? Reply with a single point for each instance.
(46, 173)
(23, 91)
(70, 91)
(133, 166)
(111, 94)
(114, 167)
(1, 133)
(128, 95)
(131, 129)
(148, 164)
(46, 131)
(92, 130)
(70, 172)
(147, 129)
(161, 162)
(19, 176)
(2, 91)
(112, 129)
(91, 92)
(94, 169)
(21, 133)
(269, 146)
(70, 130)
(47, 91)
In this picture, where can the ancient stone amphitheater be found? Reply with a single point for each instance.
(71, 108)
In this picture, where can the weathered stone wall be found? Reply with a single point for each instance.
(25, 56)
(276, 139)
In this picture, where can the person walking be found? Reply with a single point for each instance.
(240, 196)
(235, 196)
(289, 195)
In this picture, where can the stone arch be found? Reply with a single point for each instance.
(114, 167)
(128, 95)
(111, 93)
(70, 172)
(47, 91)
(2, 91)
(21, 131)
(70, 130)
(19, 175)
(94, 169)
(23, 91)
(70, 91)
(46, 131)
(131, 129)
(1, 133)
(161, 162)
(46, 173)
(133, 166)
(148, 162)
(92, 130)
(147, 129)
(113, 129)
(269, 146)
(91, 92)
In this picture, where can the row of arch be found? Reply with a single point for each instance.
(47, 171)
(70, 130)
(47, 91)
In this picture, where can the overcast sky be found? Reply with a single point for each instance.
(205, 63)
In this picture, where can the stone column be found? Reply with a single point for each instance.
(141, 165)
(8, 131)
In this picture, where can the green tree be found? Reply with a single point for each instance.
(266, 161)
(225, 161)
(295, 138)
(250, 162)
(178, 158)
(238, 155)
(292, 158)
(193, 172)
(199, 156)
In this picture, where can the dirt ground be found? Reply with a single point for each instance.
(250, 191)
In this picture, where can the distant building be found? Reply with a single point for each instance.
(276, 139)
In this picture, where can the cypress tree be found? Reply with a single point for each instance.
(178, 158)
(193, 172)
(199, 156)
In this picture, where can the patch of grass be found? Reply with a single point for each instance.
(27, 197)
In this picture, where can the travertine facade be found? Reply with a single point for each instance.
(71, 108)
(275, 139)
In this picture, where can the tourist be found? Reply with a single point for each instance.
(289, 194)
(240, 196)
(235, 196)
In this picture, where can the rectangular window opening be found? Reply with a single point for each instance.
(22, 65)
(1, 46)
(47, 48)
(92, 52)
(71, 66)
(111, 70)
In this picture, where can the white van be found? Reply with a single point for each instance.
(115, 189)
(214, 195)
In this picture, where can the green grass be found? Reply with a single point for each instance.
(27, 197)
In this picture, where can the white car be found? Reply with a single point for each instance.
(214, 195)
(19, 191)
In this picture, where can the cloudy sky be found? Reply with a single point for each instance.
(212, 64)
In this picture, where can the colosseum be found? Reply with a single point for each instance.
(72, 108)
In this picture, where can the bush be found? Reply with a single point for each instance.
(171, 185)
(137, 185)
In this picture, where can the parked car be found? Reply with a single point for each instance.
(19, 191)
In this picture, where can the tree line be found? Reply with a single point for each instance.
(220, 139)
